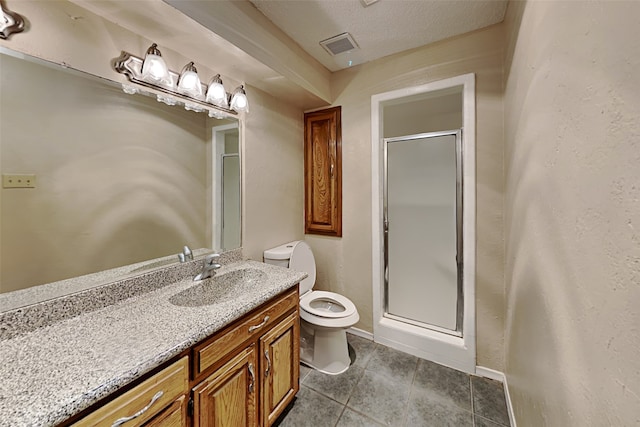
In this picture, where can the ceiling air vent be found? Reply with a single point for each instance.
(339, 44)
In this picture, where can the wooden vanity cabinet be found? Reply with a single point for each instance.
(280, 362)
(158, 401)
(174, 416)
(243, 375)
(229, 396)
(247, 374)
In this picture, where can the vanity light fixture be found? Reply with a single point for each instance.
(189, 82)
(10, 22)
(216, 94)
(185, 88)
(166, 99)
(154, 69)
(239, 101)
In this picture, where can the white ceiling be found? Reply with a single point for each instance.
(381, 29)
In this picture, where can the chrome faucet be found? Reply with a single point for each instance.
(209, 267)
(186, 255)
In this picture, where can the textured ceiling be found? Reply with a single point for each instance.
(381, 29)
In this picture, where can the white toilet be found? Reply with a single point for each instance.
(325, 315)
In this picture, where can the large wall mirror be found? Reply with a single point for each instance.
(119, 179)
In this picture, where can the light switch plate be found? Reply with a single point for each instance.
(18, 181)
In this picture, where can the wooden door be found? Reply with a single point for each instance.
(228, 396)
(280, 367)
(323, 172)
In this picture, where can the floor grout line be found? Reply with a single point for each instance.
(324, 395)
(413, 379)
(340, 416)
(365, 415)
(473, 404)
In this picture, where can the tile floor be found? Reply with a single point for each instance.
(384, 386)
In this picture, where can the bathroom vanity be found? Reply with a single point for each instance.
(223, 351)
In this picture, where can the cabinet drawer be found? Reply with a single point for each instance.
(212, 351)
(149, 397)
(174, 416)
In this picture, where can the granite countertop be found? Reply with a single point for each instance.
(36, 294)
(55, 371)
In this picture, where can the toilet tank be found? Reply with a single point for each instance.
(280, 255)
(298, 256)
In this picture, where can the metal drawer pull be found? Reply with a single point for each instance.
(123, 420)
(264, 322)
(253, 378)
(266, 372)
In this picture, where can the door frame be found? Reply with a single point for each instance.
(453, 351)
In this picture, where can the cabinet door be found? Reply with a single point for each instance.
(229, 396)
(323, 172)
(280, 367)
(174, 416)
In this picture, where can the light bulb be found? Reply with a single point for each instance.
(154, 69)
(216, 93)
(239, 101)
(189, 82)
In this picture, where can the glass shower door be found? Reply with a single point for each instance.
(423, 190)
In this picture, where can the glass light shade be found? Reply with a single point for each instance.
(216, 93)
(131, 90)
(166, 99)
(189, 82)
(154, 69)
(216, 114)
(191, 106)
(239, 101)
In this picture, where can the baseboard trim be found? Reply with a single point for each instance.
(361, 333)
(492, 374)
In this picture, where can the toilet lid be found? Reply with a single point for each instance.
(302, 260)
(327, 304)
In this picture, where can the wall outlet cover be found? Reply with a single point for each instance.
(18, 181)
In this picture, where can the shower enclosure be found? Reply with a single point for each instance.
(423, 220)
(423, 230)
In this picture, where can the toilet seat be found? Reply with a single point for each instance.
(327, 304)
(318, 315)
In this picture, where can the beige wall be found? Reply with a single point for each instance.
(273, 174)
(572, 209)
(433, 114)
(344, 265)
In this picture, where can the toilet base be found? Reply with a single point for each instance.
(324, 349)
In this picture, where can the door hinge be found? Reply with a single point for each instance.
(190, 407)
